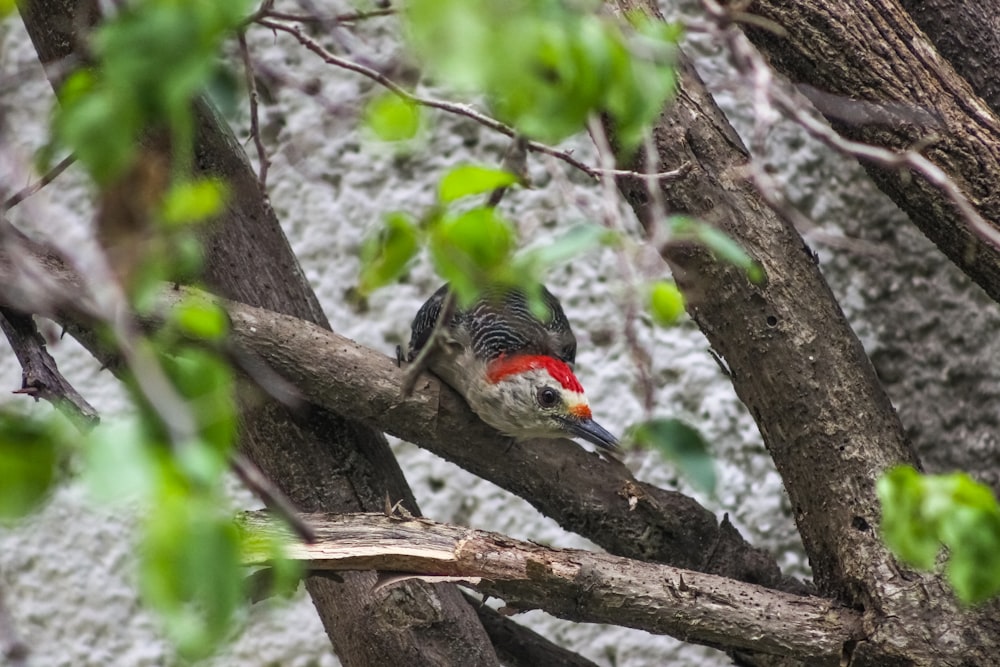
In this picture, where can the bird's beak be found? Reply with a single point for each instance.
(592, 432)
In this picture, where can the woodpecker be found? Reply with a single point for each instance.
(514, 369)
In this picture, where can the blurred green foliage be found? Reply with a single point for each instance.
(30, 448)
(149, 63)
(146, 66)
(680, 443)
(193, 201)
(921, 514)
(548, 66)
(393, 118)
(666, 302)
(470, 179)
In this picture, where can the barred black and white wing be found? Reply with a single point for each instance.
(501, 322)
(424, 321)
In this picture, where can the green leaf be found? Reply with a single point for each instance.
(200, 318)
(392, 118)
(666, 303)
(469, 179)
(206, 381)
(385, 256)
(99, 129)
(719, 243)
(29, 449)
(922, 513)
(190, 571)
(682, 444)
(119, 462)
(566, 247)
(7, 7)
(904, 526)
(193, 201)
(569, 63)
(149, 62)
(263, 545)
(472, 250)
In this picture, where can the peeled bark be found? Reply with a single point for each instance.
(583, 585)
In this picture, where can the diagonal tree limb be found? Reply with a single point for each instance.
(517, 646)
(40, 376)
(625, 516)
(584, 586)
(873, 51)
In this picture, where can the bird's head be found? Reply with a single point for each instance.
(538, 396)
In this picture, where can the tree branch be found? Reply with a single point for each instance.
(620, 513)
(517, 646)
(583, 586)
(40, 376)
(623, 515)
(873, 51)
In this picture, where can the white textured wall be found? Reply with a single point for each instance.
(66, 571)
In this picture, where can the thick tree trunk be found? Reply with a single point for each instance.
(320, 460)
(873, 52)
(968, 35)
(804, 376)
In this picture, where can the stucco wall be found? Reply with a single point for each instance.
(66, 571)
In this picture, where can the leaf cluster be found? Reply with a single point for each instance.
(923, 513)
(548, 66)
(148, 64)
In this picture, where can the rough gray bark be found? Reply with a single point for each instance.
(803, 374)
(626, 516)
(873, 51)
(968, 35)
(517, 646)
(583, 585)
(320, 460)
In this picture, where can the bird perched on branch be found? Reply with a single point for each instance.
(513, 368)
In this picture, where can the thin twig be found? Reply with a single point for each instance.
(454, 108)
(49, 176)
(262, 157)
(515, 161)
(352, 17)
(276, 501)
(612, 217)
(419, 363)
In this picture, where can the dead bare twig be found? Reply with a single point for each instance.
(454, 108)
(31, 189)
(262, 157)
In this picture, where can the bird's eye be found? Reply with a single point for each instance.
(548, 397)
